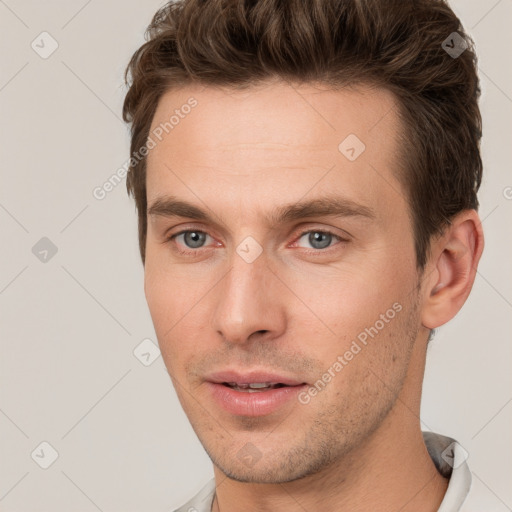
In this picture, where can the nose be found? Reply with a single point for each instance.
(249, 302)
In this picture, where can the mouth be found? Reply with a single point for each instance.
(254, 379)
(252, 393)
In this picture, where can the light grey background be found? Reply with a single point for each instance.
(70, 325)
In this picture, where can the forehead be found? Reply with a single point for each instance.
(307, 112)
(280, 135)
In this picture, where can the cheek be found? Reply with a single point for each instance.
(369, 366)
(361, 327)
(173, 303)
(341, 303)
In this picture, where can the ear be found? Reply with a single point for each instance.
(451, 269)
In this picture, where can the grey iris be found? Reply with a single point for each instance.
(319, 240)
(194, 239)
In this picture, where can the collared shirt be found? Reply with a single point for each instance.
(447, 454)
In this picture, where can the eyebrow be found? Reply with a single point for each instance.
(328, 206)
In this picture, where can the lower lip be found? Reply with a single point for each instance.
(258, 403)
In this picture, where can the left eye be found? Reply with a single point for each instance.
(319, 239)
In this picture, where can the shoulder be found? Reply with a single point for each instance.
(467, 491)
(202, 501)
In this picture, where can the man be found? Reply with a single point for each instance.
(305, 175)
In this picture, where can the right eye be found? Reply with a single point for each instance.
(190, 238)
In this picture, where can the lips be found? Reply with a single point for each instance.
(252, 393)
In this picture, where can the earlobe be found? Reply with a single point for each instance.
(452, 269)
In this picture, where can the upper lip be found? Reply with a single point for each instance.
(251, 377)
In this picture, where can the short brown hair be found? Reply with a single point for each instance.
(399, 45)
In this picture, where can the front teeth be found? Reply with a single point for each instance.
(259, 385)
(251, 388)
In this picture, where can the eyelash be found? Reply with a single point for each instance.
(192, 252)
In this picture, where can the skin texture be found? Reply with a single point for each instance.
(357, 444)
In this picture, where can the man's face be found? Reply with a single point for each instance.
(273, 298)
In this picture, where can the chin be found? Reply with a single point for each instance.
(276, 468)
(265, 475)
